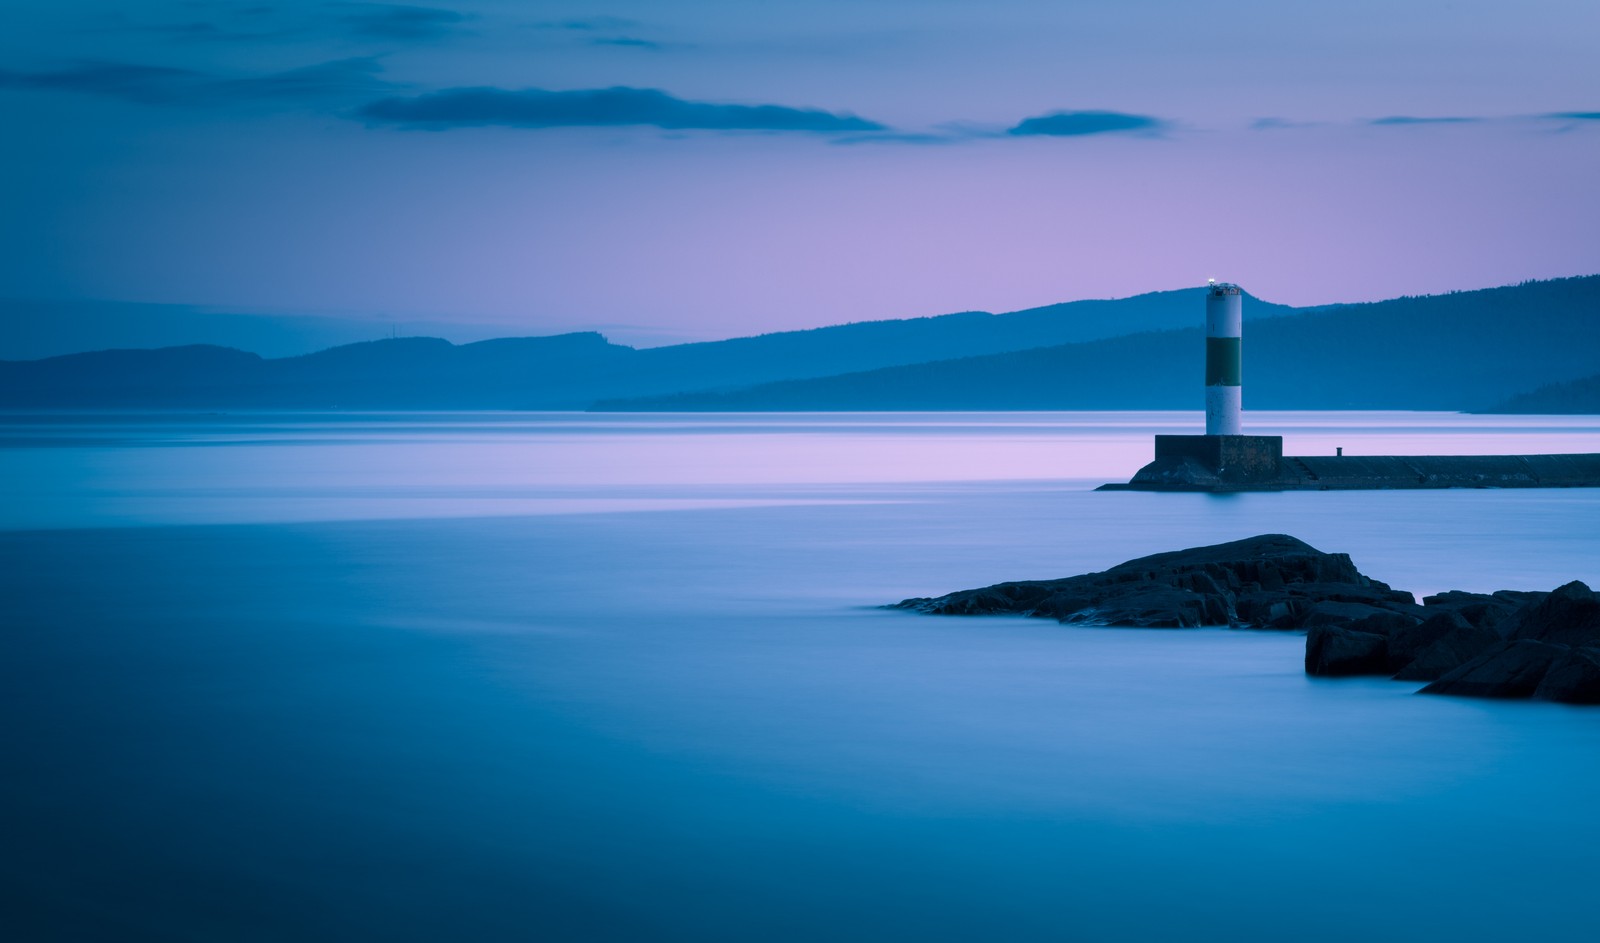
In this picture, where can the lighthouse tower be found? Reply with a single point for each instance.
(1224, 459)
(1224, 320)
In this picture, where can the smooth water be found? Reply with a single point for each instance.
(573, 677)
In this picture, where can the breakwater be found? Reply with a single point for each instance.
(1257, 463)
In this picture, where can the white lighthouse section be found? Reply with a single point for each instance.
(1223, 405)
(1224, 327)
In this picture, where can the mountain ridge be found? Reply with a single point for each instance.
(1462, 350)
(1406, 352)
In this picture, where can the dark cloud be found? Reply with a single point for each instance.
(393, 22)
(328, 82)
(1409, 119)
(537, 108)
(1078, 123)
(123, 81)
(591, 23)
(1574, 115)
(628, 41)
(618, 31)
(360, 22)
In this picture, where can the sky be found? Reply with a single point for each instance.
(707, 168)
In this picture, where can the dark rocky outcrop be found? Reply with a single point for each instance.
(1548, 648)
(1507, 669)
(1511, 654)
(1459, 645)
(1378, 618)
(1574, 678)
(1407, 642)
(1568, 616)
(1271, 581)
(1505, 644)
(1332, 651)
(1481, 609)
(1508, 644)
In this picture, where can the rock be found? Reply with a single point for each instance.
(1385, 622)
(1269, 581)
(1262, 609)
(1373, 593)
(1272, 557)
(1568, 616)
(1574, 678)
(1333, 652)
(1504, 644)
(1006, 597)
(1407, 642)
(1480, 609)
(1516, 598)
(1508, 669)
(1335, 612)
(1459, 645)
(1155, 608)
(1064, 605)
(1342, 604)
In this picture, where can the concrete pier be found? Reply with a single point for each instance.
(1207, 463)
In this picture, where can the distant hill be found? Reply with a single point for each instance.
(407, 373)
(31, 330)
(1461, 351)
(563, 372)
(1579, 396)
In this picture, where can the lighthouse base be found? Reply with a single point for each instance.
(1213, 460)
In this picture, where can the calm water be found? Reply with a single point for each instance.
(570, 677)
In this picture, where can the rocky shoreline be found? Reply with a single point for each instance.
(1508, 644)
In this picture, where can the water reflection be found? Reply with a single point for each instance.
(77, 470)
(513, 677)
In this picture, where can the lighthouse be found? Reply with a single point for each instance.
(1224, 459)
(1224, 320)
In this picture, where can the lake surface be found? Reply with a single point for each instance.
(615, 677)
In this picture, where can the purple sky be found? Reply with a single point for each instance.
(704, 169)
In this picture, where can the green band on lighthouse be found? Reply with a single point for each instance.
(1222, 361)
